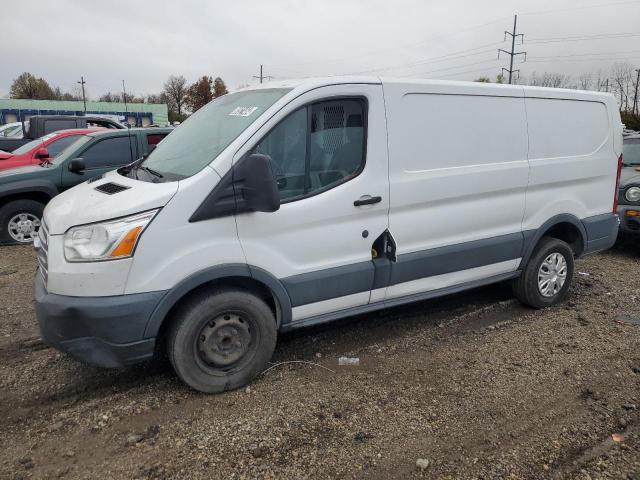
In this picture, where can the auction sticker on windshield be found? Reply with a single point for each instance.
(242, 111)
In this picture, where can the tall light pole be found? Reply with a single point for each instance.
(84, 99)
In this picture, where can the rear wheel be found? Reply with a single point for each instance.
(547, 276)
(221, 339)
(20, 221)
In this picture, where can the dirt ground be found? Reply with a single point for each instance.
(474, 384)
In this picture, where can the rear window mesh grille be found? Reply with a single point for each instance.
(111, 188)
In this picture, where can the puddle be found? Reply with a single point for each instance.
(628, 319)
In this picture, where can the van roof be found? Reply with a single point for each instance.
(310, 83)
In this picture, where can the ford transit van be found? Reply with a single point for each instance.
(296, 203)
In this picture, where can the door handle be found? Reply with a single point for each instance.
(366, 200)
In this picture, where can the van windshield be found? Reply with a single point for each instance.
(631, 151)
(206, 133)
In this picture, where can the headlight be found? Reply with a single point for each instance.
(107, 240)
(633, 194)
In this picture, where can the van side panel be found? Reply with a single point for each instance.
(458, 174)
(571, 155)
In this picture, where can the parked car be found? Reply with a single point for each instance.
(42, 149)
(24, 191)
(297, 203)
(629, 192)
(40, 125)
(11, 130)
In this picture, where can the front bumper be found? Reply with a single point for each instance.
(102, 331)
(629, 226)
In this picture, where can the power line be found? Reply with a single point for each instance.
(481, 70)
(493, 60)
(622, 52)
(627, 58)
(585, 7)
(512, 54)
(442, 58)
(580, 38)
(393, 49)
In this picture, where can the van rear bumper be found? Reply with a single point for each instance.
(101, 331)
(602, 232)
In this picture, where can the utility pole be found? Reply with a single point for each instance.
(513, 52)
(262, 77)
(635, 97)
(84, 99)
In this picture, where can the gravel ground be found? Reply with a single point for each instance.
(469, 386)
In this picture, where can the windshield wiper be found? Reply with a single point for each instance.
(150, 170)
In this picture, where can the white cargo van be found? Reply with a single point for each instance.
(297, 203)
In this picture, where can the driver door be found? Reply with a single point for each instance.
(329, 152)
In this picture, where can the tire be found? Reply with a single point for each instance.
(209, 333)
(526, 287)
(28, 214)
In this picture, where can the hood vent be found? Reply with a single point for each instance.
(95, 179)
(111, 188)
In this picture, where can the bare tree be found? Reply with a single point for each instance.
(601, 81)
(585, 81)
(176, 90)
(622, 77)
(550, 79)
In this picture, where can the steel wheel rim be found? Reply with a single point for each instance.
(225, 343)
(23, 227)
(552, 275)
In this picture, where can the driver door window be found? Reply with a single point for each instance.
(111, 152)
(317, 147)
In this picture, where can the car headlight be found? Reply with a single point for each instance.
(633, 194)
(109, 240)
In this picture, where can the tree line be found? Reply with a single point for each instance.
(181, 98)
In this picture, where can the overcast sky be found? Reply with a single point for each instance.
(143, 42)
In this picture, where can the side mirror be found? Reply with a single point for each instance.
(257, 183)
(42, 153)
(77, 165)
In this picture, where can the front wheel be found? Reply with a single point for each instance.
(20, 221)
(221, 339)
(547, 276)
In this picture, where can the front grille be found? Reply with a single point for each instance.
(43, 252)
(111, 188)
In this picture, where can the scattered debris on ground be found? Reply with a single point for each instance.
(468, 386)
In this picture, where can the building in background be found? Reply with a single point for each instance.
(136, 114)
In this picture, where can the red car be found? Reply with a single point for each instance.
(42, 149)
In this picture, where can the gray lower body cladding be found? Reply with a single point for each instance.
(103, 331)
(121, 330)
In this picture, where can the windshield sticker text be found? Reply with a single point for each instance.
(242, 111)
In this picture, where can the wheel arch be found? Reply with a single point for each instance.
(242, 276)
(40, 191)
(565, 227)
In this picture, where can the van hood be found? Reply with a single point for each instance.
(84, 204)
